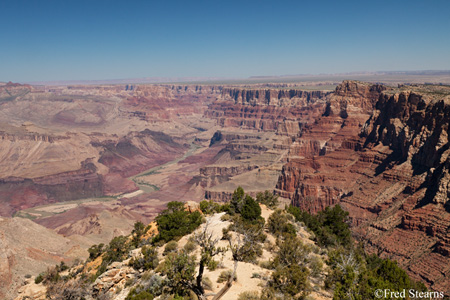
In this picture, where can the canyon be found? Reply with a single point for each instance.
(390, 172)
(85, 162)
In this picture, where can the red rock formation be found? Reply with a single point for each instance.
(357, 94)
(393, 177)
(225, 170)
(264, 109)
(22, 193)
(224, 196)
(32, 136)
(270, 96)
(152, 102)
(138, 151)
(35, 148)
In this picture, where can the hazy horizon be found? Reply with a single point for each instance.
(53, 40)
(417, 76)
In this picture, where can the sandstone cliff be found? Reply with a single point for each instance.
(270, 96)
(21, 193)
(392, 174)
(264, 109)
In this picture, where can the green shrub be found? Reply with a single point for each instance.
(62, 267)
(175, 222)
(316, 265)
(224, 208)
(291, 280)
(156, 284)
(129, 282)
(170, 247)
(147, 261)
(141, 295)
(279, 224)
(101, 269)
(267, 198)
(251, 211)
(237, 201)
(291, 251)
(39, 278)
(266, 264)
(49, 276)
(224, 276)
(209, 207)
(95, 251)
(147, 275)
(251, 248)
(249, 295)
(252, 252)
(207, 284)
(269, 293)
(180, 269)
(212, 265)
(52, 275)
(190, 246)
(226, 218)
(117, 249)
(329, 226)
(245, 206)
(138, 231)
(355, 273)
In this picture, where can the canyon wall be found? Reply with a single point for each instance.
(91, 139)
(257, 127)
(20, 193)
(391, 172)
(281, 111)
(381, 152)
(276, 97)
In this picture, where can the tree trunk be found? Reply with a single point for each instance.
(200, 277)
(228, 285)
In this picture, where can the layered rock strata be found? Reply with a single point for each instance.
(118, 130)
(391, 174)
(264, 109)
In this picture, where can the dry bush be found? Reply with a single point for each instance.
(249, 295)
(225, 275)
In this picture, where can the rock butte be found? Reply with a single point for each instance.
(382, 152)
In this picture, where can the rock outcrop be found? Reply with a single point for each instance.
(21, 193)
(392, 174)
(264, 109)
(151, 102)
(137, 151)
(274, 97)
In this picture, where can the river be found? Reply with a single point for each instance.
(146, 187)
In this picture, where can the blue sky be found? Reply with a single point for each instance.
(75, 40)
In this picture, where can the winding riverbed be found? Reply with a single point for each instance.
(146, 187)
